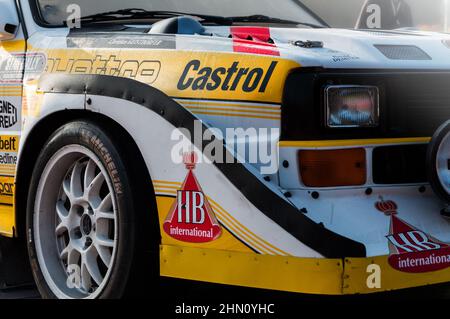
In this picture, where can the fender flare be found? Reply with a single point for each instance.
(284, 214)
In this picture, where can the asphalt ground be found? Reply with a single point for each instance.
(200, 292)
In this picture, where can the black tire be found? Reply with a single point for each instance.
(432, 171)
(113, 156)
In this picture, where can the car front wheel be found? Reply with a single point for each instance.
(81, 220)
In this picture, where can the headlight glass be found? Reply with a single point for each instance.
(352, 106)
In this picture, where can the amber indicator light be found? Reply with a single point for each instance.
(332, 168)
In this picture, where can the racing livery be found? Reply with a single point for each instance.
(116, 157)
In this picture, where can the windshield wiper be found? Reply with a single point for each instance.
(135, 13)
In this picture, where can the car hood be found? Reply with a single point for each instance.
(342, 48)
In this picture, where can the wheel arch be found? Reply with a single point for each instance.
(42, 131)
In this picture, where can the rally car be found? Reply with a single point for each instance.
(243, 143)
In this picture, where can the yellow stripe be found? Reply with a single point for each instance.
(248, 234)
(237, 115)
(235, 229)
(262, 107)
(167, 187)
(207, 108)
(164, 182)
(245, 228)
(13, 46)
(343, 143)
(302, 275)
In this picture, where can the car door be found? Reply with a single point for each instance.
(12, 63)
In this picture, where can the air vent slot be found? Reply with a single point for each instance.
(403, 52)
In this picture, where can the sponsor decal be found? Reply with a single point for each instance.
(344, 58)
(256, 40)
(105, 40)
(234, 77)
(6, 190)
(146, 71)
(191, 218)
(195, 75)
(9, 143)
(412, 250)
(12, 68)
(8, 114)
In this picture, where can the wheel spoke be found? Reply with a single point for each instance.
(66, 188)
(75, 181)
(86, 282)
(89, 173)
(70, 255)
(65, 253)
(61, 211)
(105, 242)
(92, 266)
(93, 191)
(73, 257)
(61, 229)
(105, 254)
(106, 204)
(110, 216)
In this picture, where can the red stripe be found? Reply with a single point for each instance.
(253, 40)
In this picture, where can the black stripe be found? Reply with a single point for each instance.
(164, 195)
(288, 217)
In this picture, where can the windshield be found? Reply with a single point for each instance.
(55, 11)
(427, 15)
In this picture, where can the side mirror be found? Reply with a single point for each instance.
(9, 21)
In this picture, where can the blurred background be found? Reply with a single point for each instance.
(426, 14)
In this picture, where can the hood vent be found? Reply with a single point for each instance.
(403, 52)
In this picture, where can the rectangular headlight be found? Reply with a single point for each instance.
(352, 106)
